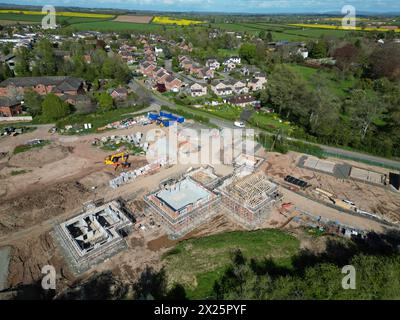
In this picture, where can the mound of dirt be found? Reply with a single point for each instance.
(38, 157)
(28, 259)
(37, 206)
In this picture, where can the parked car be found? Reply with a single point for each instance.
(239, 124)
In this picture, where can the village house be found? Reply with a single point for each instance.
(205, 73)
(198, 90)
(58, 85)
(10, 107)
(158, 51)
(120, 93)
(127, 56)
(231, 63)
(8, 59)
(221, 88)
(172, 83)
(258, 82)
(239, 87)
(160, 75)
(147, 68)
(213, 64)
(243, 101)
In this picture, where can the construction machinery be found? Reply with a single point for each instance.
(118, 160)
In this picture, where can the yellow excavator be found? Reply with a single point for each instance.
(117, 160)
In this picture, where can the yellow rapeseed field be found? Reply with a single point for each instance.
(327, 26)
(340, 19)
(179, 22)
(62, 14)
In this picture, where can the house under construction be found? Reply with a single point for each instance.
(183, 204)
(94, 235)
(249, 197)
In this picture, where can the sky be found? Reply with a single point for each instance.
(244, 6)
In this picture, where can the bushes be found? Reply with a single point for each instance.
(53, 108)
(280, 144)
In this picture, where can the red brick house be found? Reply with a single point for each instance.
(43, 85)
(172, 83)
(10, 107)
(119, 93)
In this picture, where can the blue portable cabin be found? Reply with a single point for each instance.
(165, 118)
(153, 116)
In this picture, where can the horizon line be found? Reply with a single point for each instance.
(332, 12)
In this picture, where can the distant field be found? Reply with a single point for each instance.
(134, 19)
(116, 26)
(11, 22)
(179, 22)
(280, 32)
(61, 14)
(340, 28)
(35, 18)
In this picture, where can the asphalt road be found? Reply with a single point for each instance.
(353, 155)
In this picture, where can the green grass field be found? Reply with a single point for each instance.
(228, 112)
(269, 122)
(118, 26)
(280, 31)
(338, 88)
(197, 263)
(38, 18)
(97, 119)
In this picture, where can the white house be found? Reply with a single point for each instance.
(213, 64)
(221, 89)
(158, 51)
(257, 83)
(239, 87)
(198, 90)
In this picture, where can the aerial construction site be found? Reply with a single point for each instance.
(95, 202)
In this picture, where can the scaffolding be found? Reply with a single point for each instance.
(182, 220)
(249, 199)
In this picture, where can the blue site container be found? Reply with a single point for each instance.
(153, 116)
(168, 120)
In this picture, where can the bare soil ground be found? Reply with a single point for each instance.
(367, 197)
(134, 19)
(28, 258)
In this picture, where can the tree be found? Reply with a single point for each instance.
(33, 101)
(346, 56)
(324, 112)
(53, 108)
(269, 37)
(5, 71)
(44, 59)
(288, 94)
(319, 49)
(22, 62)
(385, 62)
(364, 108)
(105, 101)
(248, 52)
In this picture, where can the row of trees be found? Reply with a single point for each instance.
(366, 118)
(43, 61)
